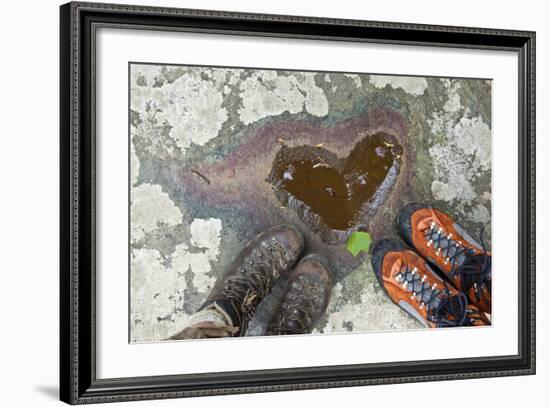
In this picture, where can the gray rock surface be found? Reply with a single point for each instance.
(202, 146)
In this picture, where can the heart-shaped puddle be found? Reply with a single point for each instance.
(338, 191)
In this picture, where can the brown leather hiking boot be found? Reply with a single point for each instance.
(305, 298)
(232, 301)
(445, 244)
(411, 284)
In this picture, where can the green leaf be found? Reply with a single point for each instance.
(358, 242)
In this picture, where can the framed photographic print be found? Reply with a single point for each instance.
(352, 195)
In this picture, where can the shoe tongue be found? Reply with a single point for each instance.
(435, 301)
(426, 222)
(396, 266)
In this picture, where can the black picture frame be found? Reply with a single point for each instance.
(78, 381)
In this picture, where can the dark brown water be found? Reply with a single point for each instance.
(333, 188)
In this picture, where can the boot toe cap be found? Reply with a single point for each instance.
(403, 219)
(378, 251)
(291, 238)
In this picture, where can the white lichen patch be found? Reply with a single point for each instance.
(152, 139)
(150, 208)
(473, 136)
(460, 158)
(157, 294)
(449, 191)
(145, 75)
(480, 214)
(158, 290)
(134, 165)
(266, 93)
(461, 150)
(365, 316)
(198, 262)
(453, 103)
(205, 235)
(191, 105)
(412, 85)
(356, 79)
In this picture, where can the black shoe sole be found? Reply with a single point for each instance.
(403, 220)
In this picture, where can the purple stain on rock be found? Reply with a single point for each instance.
(240, 188)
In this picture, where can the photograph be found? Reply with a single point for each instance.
(274, 202)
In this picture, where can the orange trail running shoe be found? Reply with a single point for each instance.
(411, 284)
(445, 244)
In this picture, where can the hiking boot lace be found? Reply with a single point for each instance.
(473, 316)
(443, 308)
(300, 303)
(474, 270)
(256, 275)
